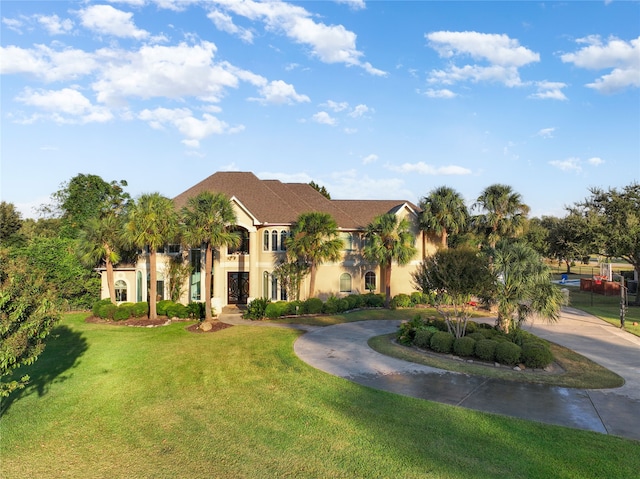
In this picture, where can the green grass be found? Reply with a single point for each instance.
(606, 308)
(579, 372)
(121, 402)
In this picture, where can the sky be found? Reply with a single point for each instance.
(371, 99)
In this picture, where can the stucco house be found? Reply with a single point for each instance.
(266, 210)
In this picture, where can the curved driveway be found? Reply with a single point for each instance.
(342, 350)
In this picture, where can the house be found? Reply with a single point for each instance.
(265, 211)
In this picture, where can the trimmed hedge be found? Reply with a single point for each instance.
(178, 310)
(312, 306)
(140, 309)
(464, 346)
(423, 337)
(401, 301)
(442, 342)
(161, 306)
(508, 353)
(486, 349)
(124, 311)
(536, 354)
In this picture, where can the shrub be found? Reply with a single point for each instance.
(124, 311)
(275, 310)
(140, 309)
(423, 337)
(312, 306)
(177, 310)
(359, 301)
(401, 301)
(352, 301)
(536, 354)
(196, 310)
(256, 309)
(419, 298)
(441, 342)
(99, 304)
(291, 308)
(107, 310)
(472, 327)
(161, 306)
(373, 300)
(477, 336)
(407, 330)
(486, 349)
(464, 346)
(508, 353)
(438, 323)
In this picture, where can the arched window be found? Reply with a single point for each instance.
(139, 286)
(266, 280)
(283, 240)
(274, 240)
(345, 283)
(121, 291)
(243, 246)
(265, 245)
(370, 281)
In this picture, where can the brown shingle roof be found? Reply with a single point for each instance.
(274, 202)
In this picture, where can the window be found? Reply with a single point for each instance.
(274, 240)
(173, 249)
(265, 245)
(121, 291)
(347, 241)
(139, 286)
(243, 246)
(345, 283)
(194, 280)
(274, 288)
(370, 281)
(283, 240)
(266, 280)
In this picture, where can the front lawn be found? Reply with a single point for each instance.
(124, 402)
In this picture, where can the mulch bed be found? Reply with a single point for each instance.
(145, 322)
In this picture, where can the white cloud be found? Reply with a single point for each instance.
(503, 55)
(47, 64)
(285, 177)
(352, 184)
(353, 4)
(359, 111)
(546, 132)
(570, 164)
(104, 19)
(66, 106)
(54, 25)
(279, 93)
(369, 159)
(324, 118)
(193, 129)
(621, 57)
(422, 168)
(329, 43)
(442, 93)
(224, 22)
(595, 161)
(335, 106)
(549, 91)
(13, 24)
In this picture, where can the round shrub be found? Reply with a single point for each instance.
(256, 308)
(407, 330)
(472, 327)
(464, 346)
(477, 336)
(197, 310)
(536, 355)
(140, 309)
(352, 301)
(441, 342)
(178, 310)
(99, 304)
(488, 333)
(124, 311)
(486, 349)
(373, 300)
(422, 338)
(275, 310)
(359, 301)
(291, 308)
(312, 306)
(401, 301)
(107, 310)
(331, 306)
(439, 324)
(508, 353)
(418, 297)
(162, 306)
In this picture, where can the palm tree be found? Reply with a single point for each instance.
(314, 240)
(389, 239)
(99, 242)
(523, 287)
(504, 214)
(151, 222)
(207, 220)
(443, 212)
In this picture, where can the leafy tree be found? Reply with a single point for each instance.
(150, 223)
(613, 217)
(27, 315)
(504, 215)
(40, 228)
(568, 239)
(454, 275)
(522, 286)
(10, 223)
(537, 234)
(177, 273)
(443, 212)
(314, 240)
(208, 219)
(290, 275)
(389, 239)
(84, 197)
(320, 189)
(99, 242)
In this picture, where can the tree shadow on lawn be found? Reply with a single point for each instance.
(63, 349)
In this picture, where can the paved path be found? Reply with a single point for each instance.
(342, 350)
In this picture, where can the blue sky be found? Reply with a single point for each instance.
(372, 99)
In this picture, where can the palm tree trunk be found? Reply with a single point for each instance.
(387, 285)
(153, 287)
(312, 279)
(208, 266)
(443, 238)
(110, 279)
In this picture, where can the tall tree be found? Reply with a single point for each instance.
(454, 275)
(10, 223)
(522, 286)
(388, 240)
(314, 239)
(320, 189)
(614, 220)
(151, 222)
(208, 220)
(99, 243)
(503, 213)
(569, 239)
(27, 315)
(444, 213)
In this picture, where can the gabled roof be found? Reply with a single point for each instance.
(277, 203)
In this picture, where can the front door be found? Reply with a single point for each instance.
(238, 287)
